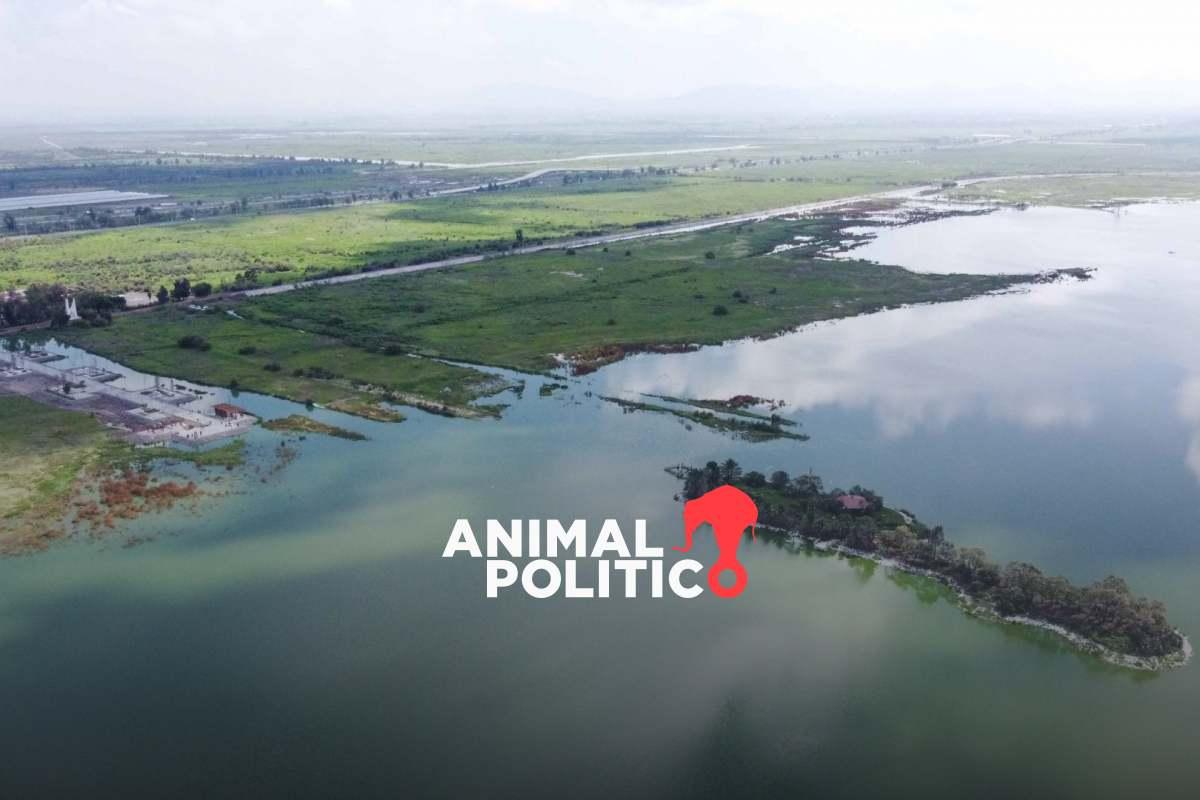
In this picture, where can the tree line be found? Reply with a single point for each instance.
(1105, 611)
(42, 302)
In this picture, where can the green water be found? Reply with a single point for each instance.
(302, 637)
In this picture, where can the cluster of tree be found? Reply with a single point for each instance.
(194, 342)
(182, 290)
(586, 176)
(41, 302)
(1105, 611)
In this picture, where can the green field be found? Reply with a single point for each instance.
(44, 452)
(281, 361)
(519, 311)
(783, 167)
(1084, 191)
(286, 246)
(331, 344)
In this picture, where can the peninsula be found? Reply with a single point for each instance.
(1104, 618)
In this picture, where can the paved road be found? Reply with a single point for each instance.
(557, 244)
(587, 241)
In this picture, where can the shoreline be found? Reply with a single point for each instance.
(986, 611)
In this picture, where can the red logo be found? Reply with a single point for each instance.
(728, 510)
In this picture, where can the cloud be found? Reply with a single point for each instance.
(1189, 409)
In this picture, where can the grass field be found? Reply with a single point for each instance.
(519, 311)
(44, 452)
(784, 167)
(1084, 191)
(285, 246)
(51, 455)
(327, 343)
(280, 361)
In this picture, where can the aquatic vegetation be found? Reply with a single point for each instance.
(758, 430)
(228, 455)
(736, 405)
(128, 495)
(298, 423)
(63, 467)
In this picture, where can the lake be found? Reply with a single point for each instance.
(302, 637)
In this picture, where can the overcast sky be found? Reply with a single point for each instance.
(209, 58)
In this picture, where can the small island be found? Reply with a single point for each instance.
(1104, 618)
(298, 423)
(738, 423)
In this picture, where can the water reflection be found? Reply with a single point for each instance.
(1189, 409)
(1049, 426)
(1061, 356)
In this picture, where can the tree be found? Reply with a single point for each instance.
(755, 479)
(520, 236)
(183, 288)
(712, 474)
(730, 471)
(202, 289)
(10, 222)
(163, 295)
(779, 479)
(693, 484)
(193, 342)
(807, 485)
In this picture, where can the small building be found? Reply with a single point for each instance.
(853, 502)
(230, 411)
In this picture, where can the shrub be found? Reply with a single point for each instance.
(272, 366)
(720, 311)
(202, 289)
(194, 342)
(710, 255)
(248, 350)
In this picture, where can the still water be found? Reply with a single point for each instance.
(303, 638)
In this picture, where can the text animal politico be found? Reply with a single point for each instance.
(522, 552)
